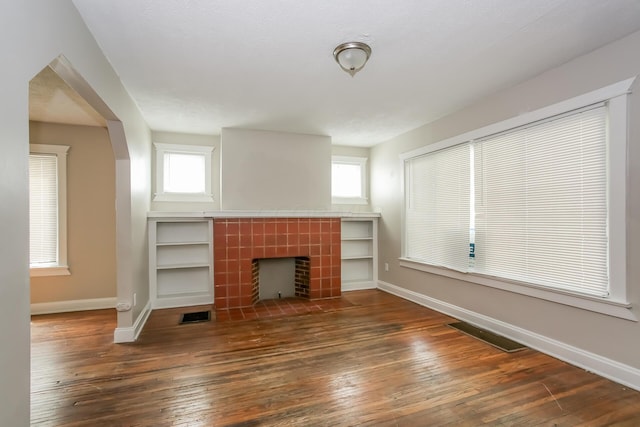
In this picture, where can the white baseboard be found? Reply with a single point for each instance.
(358, 286)
(173, 302)
(130, 334)
(608, 368)
(73, 305)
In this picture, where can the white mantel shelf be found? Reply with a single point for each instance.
(261, 214)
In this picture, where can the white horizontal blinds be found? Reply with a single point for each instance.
(43, 209)
(541, 203)
(437, 208)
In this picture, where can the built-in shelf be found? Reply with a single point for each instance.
(181, 258)
(182, 265)
(181, 243)
(180, 262)
(359, 251)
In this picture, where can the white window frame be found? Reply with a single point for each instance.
(361, 162)
(62, 267)
(164, 196)
(617, 303)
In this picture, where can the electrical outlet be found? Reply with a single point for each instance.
(123, 306)
(386, 266)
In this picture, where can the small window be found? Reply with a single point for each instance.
(48, 210)
(183, 173)
(349, 180)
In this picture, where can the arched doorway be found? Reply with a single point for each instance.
(78, 104)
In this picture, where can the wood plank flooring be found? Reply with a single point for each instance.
(378, 361)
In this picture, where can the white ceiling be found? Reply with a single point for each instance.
(200, 65)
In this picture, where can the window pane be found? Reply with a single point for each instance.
(541, 204)
(346, 180)
(437, 208)
(43, 209)
(184, 173)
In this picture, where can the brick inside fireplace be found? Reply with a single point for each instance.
(239, 242)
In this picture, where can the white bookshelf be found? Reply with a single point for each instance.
(359, 253)
(180, 262)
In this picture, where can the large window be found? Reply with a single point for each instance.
(349, 180)
(534, 204)
(183, 173)
(541, 203)
(47, 210)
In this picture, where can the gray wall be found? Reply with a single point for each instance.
(217, 162)
(602, 335)
(34, 34)
(264, 170)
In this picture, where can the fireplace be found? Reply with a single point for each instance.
(275, 278)
(240, 242)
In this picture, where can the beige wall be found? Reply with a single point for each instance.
(91, 223)
(263, 170)
(34, 34)
(602, 335)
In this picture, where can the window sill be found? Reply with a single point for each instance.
(61, 270)
(349, 201)
(183, 197)
(618, 309)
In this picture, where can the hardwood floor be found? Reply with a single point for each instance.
(379, 361)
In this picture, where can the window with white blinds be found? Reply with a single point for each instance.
(47, 209)
(541, 203)
(43, 209)
(437, 208)
(535, 204)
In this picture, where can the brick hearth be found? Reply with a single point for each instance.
(240, 241)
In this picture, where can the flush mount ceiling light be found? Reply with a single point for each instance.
(352, 56)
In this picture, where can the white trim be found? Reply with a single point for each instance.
(358, 286)
(605, 367)
(349, 201)
(73, 305)
(182, 301)
(617, 194)
(607, 306)
(183, 197)
(58, 270)
(60, 151)
(600, 95)
(160, 194)
(131, 333)
(362, 163)
(261, 214)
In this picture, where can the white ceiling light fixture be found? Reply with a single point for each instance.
(352, 56)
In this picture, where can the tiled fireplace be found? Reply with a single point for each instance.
(240, 242)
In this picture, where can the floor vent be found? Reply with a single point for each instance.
(504, 344)
(198, 316)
